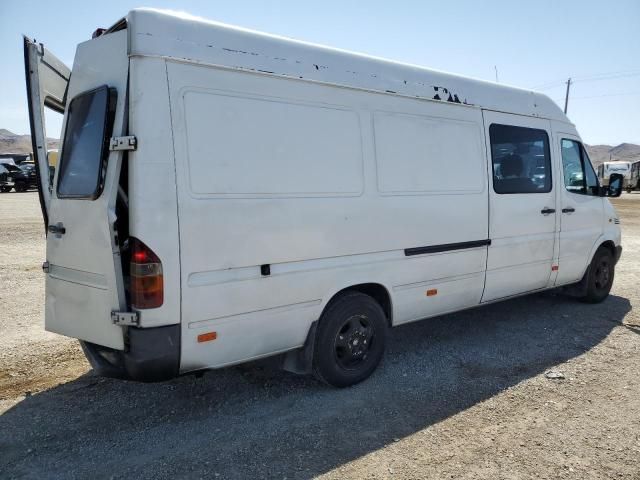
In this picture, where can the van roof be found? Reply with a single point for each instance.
(181, 36)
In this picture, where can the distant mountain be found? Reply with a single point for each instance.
(603, 153)
(12, 143)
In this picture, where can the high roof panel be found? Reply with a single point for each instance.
(180, 36)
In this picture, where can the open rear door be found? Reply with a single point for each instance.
(84, 282)
(47, 81)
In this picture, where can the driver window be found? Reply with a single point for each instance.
(579, 176)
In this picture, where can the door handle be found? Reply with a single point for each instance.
(568, 210)
(57, 229)
(547, 210)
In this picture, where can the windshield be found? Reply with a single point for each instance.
(84, 149)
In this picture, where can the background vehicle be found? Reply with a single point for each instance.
(5, 186)
(607, 168)
(21, 178)
(224, 195)
(634, 176)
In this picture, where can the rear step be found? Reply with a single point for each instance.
(152, 355)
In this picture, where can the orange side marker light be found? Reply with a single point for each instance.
(207, 337)
(432, 292)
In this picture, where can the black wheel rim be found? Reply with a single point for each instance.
(353, 342)
(602, 274)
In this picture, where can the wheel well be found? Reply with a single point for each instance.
(376, 291)
(610, 245)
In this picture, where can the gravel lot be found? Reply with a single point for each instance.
(460, 396)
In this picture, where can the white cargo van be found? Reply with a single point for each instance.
(224, 195)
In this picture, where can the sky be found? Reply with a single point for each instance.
(535, 45)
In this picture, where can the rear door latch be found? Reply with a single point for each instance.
(129, 142)
(129, 319)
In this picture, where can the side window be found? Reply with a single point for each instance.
(579, 176)
(521, 159)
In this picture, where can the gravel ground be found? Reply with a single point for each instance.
(459, 396)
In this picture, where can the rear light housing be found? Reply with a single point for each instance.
(147, 284)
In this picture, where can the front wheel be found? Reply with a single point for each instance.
(600, 276)
(350, 340)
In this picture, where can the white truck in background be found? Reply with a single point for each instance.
(605, 170)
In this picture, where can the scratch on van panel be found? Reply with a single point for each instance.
(231, 50)
(441, 93)
(446, 93)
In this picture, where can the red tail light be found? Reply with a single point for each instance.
(147, 286)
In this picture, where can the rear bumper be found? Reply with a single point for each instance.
(153, 355)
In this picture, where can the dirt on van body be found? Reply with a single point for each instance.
(537, 387)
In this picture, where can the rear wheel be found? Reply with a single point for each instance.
(350, 340)
(600, 276)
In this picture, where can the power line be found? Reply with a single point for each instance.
(558, 100)
(605, 76)
(590, 78)
(546, 86)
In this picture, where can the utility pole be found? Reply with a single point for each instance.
(496, 69)
(566, 98)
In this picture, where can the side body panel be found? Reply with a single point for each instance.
(153, 209)
(326, 186)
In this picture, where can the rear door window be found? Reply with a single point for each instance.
(85, 147)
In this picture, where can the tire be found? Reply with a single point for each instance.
(600, 276)
(350, 340)
(5, 189)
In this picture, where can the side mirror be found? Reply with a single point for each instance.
(615, 185)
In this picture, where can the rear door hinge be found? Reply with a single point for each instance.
(123, 143)
(130, 319)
